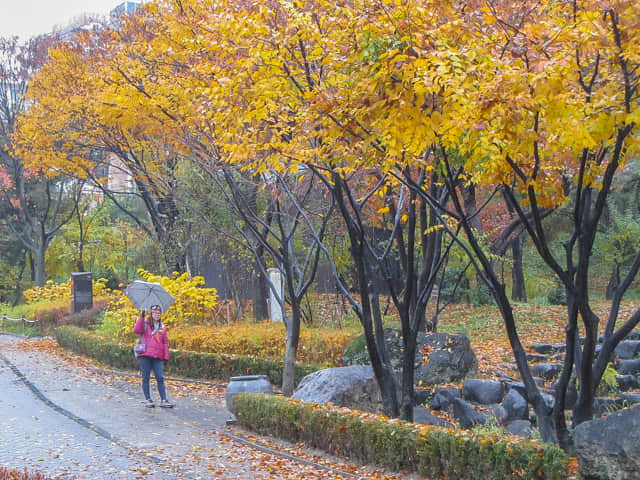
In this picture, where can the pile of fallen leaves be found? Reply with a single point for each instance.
(535, 323)
(11, 474)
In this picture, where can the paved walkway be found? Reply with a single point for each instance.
(62, 418)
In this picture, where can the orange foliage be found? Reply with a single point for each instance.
(265, 339)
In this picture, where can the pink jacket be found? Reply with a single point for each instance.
(157, 345)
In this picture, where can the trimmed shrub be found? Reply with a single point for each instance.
(182, 363)
(394, 444)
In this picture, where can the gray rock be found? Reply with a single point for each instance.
(440, 358)
(542, 348)
(571, 396)
(421, 395)
(536, 357)
(549, 400)
(521, 428)
(629, 367)
(627, 382)
(610, 447)
(597, 349)
(482, 391)
(516, 405)
(519, 387)
(423, 416)
(352, 387)
(630, 398)
(448, 358)
(539, 381)
(443, 397)
(627, 349)
(605, 405)
(635, 335)
(356, 352)
(466, 415)
(499, 413)
(547, 371)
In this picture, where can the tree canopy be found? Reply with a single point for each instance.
(408, 113)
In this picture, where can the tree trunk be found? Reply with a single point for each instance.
(583, 409)
(614, 281)
(408, 365)
(518, 291)
(39, 266)
(18, 290)
(543, 411)
(80, 262)
(260, 294)
(290, 353)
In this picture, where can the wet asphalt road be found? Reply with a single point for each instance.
(37, 437)
(63, 419)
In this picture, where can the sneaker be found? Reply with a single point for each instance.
(166, 404)
(149, 403)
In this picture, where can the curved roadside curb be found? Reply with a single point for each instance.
(72, 416)
(127, 446)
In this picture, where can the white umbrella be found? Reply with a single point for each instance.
(146, 294)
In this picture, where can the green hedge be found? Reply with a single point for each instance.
(431, 451)
(182, 363)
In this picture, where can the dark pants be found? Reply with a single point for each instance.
(146, 365)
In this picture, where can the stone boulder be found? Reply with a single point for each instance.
(627, 349)
(629, 367)
(627, 382)
(443, 398)
(521, 428)
(420, 395)
(542, 348)
(610, 447)
(466, 415)
(423, 416)
(548, 371)
(440, 357)
(499, 413)
(357, 353)
(444, 358)
(605, 405)
(516, 405)
(481, 391)
(635, 335)
(537, 358)
(353, 387)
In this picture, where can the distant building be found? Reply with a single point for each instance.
(79, 24)
(88, 22)
(110, 173)
(125, 8)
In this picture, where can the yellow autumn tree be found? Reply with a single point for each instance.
(94, 105)
(538, 100)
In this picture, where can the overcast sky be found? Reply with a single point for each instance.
(27, 18)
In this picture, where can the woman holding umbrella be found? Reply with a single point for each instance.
(153, 334)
